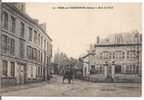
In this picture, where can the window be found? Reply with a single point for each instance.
(42, 42)
(34, 52)
(41, 57)
(5, 18)
(39, 71)
(47, 47)
(12, 69)
(13, 24)
(12, 47)
(22, 51)
(92, 70)
(39, 39)
(30, 34)
(22, 29)
(101, 69)
(119, 55)
(29, 53)
(5, 67)
(117, 69)
(8, 45)
(35, 36)
(132, 69)
(50, 50)
(38, 55)
(106, 55)
(4, 43)
(132, 54)
(48, 60)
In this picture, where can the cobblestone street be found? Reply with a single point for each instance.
(78, 88)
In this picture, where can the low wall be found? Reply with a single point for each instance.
(127, 78)
(119, 78)
(9, 81)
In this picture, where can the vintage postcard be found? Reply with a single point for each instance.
(71, 49)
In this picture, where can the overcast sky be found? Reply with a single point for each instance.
(72, 30)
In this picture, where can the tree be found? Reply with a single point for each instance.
(61, 60)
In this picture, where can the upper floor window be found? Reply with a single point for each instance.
(47, 47)
(132, 54)
(106, 55)
(13, 24)
(21, 50)
(34, 51)
(39, 55)
(22, 29)
(30, 34)
(42, 42)
(39, 39)
(4, 43)
(41, 59)
(35, 36)
(119, 55)
(5, 19)
(12, 47)
(29, 52)
(8, 45)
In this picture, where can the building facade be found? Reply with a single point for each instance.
(25, 47)
(117, 57)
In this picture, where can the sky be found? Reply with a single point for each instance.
(73, 30)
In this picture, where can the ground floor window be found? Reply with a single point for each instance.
(12, 69)
(99, 70)
(5, 68)
(133, 69)
(39, 71)
(118, 69)
(92, 70)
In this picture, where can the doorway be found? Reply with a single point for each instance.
(118, 69)
(22, 73)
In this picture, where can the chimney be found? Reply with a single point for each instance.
(43, 26)
(97, 40)
(36, 21)
(19, 6)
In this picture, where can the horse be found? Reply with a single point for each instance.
(68, 75)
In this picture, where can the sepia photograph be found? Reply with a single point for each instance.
(71, 49)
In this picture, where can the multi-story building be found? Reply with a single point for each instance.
(25, 47)
(118, 56)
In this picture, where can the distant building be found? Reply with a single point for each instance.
(25, 47)
(118, 56)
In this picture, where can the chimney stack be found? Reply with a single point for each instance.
(97, 40)
(43, 26)
(36, 21)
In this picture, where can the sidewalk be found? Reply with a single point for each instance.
(24, 86)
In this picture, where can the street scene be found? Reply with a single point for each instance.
(71, 49)
(77, 88)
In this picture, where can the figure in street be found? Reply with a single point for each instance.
(68, 74)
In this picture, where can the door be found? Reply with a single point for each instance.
(109, 72)
(22, 74)
(118, 69)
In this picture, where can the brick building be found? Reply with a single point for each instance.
(118, 56)
(25, 47)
